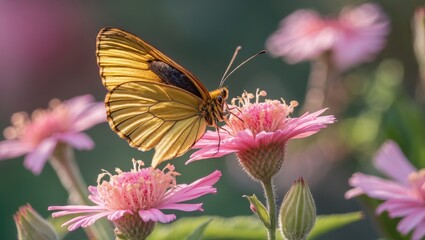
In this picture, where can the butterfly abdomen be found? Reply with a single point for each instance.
(174, 77)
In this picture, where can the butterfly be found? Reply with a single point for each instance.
(152, 101)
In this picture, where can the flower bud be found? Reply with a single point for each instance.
(259, 209)
(31, 225)
(298, 212)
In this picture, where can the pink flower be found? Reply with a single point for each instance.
(258, 132)
(303, 35)
(37, 136)
(403, 195)
(138, 197)
(356, 36)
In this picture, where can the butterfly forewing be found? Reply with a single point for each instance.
(123, 57)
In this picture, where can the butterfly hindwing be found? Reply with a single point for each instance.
(149, 114)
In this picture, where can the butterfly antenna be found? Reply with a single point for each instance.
(240, 65)
(238, 48)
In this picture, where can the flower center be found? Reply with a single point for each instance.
(42, 124)
(141, 188)
(268, 116)
(417, 180)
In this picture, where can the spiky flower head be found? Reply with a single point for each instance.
(133, 201)
(257, 132)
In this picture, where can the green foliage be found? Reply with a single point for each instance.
(56, 224)
(241, 227)
(376, 94)
(327, 223)
(404, 120)
(199, 231)
(247, 227)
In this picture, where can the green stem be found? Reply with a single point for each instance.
(271, 207)
(63, 161)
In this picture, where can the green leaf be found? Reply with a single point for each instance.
(56, 224)
(242, 227)
(199, 232)
(326, 223)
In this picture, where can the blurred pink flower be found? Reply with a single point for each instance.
(303, 35)
(37, 136)
(356, 36)
(403, 195)
(141, 193)
(258, 132)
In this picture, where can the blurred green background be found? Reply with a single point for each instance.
(48, 51)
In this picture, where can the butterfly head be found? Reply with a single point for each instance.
(219, 98)
(223, 95)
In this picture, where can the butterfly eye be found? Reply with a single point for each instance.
(220, 99)
(224, 93)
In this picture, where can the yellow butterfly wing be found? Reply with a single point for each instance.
(153, 102)
(123, 57)
(158, 115)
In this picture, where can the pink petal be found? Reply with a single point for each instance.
(94, 115)
(211, 138)
(94, 196)
(209, 147)
(391, 161)
(411, 221)
(400, 208)
(265, 138)
(244, 140)
(187, 207)
(377, 187)
(307, 125)
(78, 140)
(93, 214)
(156, 215)
(78, 105)
(354, 192)
(73, 209)
(188, 192)
(12, 149)
(206, 153)
(36, 159)
(84, 221)
(114, 215)
(419, 232)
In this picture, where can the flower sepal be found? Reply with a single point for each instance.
(130, 227)
(259, 209)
